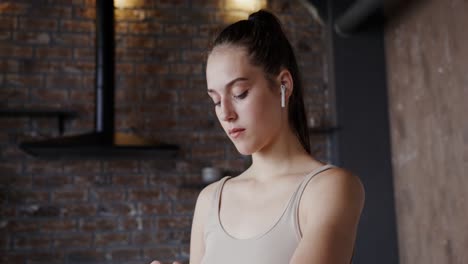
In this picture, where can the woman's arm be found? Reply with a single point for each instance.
(329, 212)
(200, 216)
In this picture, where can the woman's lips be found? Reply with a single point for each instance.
(236, 132)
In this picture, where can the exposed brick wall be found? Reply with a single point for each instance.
(120, 211)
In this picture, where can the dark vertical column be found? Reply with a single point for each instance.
(105, 65)
(362, 144)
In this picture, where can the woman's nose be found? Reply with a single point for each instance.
(227, 111)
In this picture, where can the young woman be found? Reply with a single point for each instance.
(287, 207)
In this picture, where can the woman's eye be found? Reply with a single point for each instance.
(217, 103)
(242, 95)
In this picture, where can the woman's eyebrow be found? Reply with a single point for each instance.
(229, 84)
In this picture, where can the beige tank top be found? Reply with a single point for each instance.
(275, 246)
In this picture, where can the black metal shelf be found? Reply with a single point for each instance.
(61, 114)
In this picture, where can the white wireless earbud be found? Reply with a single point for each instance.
(283, 95)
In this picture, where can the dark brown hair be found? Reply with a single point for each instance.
(269, 48)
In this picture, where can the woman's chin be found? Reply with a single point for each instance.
(245, 150)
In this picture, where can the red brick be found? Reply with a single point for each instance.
(114, 194)
(117, 209)
(53, 257)
(124, 68)
(181, 194)
(165, 95)
(32, 81)
(155, 208)
(32, 37)
(4, 244)
(189, 69)
(172, 3)
(111, 239)
(129, 180)
(135, 4)
(140, 42)
(164, 15)
(12, 257)
(38, 24)
(85, 256)
(49, 95)
(74, 195)
(121, 166)
(130, 82)
(161, 252)
(84, 180)
(126, 254)
(180, 29)
(98, 224)
(82, 209)
(63, 82)
(84, 53)
(172, 82)
(156, 111)
(78, 67)
(30, 242)
(84, 12)
(172, 222)
(73, 39)
(173, 236)
(152, 27)
(12, 8)
(61, 12)
(10, 180)
(13, 124)
(153, 125)
(82, 166)
(184, 208)
(121, 28)
(143, 238)
(135, 223)
(14, 95)
(196, 96)
(129, 15)
(154, 68)
(9, 66)
(144, 194)
(27, 196)
(7, 22)
(4, 35)
(193, 56)
(58, 225)
(10, 168)
(208, 151)
(56, 52)
(125, 54)
(209, 30)
(77, 26)
(51, 181)
(16, 51)
(73, 240)
(42, 66)
(19, 225)
(172, 43)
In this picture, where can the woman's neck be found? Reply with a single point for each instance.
(283, 156)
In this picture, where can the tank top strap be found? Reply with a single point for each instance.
(300, 190)
(217, 194)
(309, 177)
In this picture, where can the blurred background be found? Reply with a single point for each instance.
(104, 133)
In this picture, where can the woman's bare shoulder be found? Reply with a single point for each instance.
(335, 186)
(206, 195)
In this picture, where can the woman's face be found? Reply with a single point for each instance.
(248, 109)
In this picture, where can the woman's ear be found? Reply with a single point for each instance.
(285, 78)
